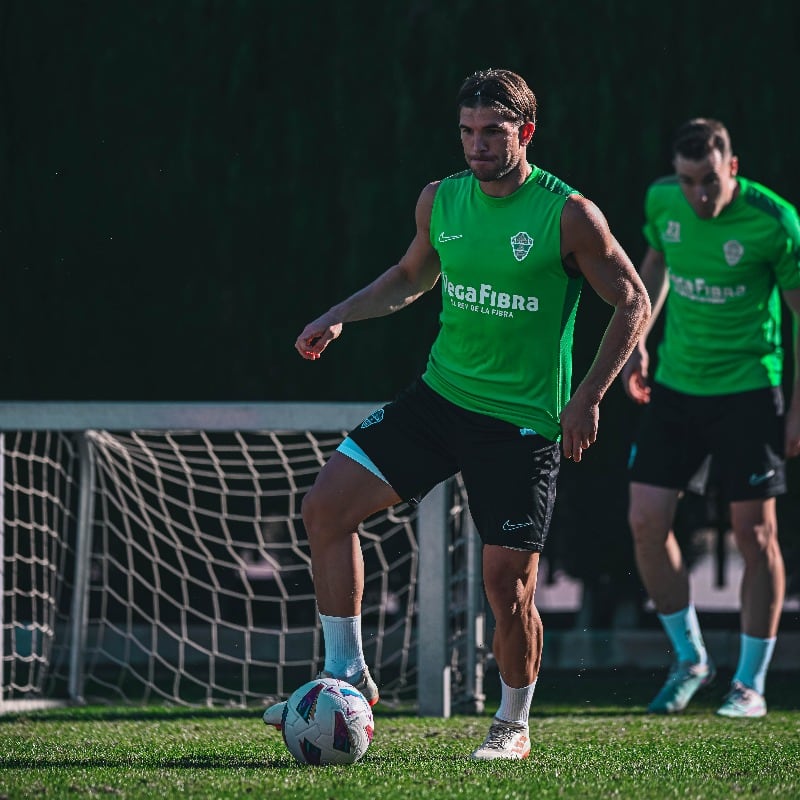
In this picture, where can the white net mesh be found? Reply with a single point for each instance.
(198, 589)
(40, 502)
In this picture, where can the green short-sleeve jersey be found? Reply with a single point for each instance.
(504, 347)
(722, 327)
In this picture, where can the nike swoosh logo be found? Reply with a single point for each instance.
(756, 480)
(508, 525)
(443, 238)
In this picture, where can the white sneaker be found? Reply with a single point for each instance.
(741, 702)
(364, 684)
(274, 714)
(508, 740)
(684, 680)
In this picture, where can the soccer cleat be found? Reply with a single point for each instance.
(684, 680)
(508, 740)
(741, 702)
(364, 684)
(274, 714)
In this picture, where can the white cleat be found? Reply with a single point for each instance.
(742, 702)
(684, 681)
(507, 740)
(274, 715)
(364, 683)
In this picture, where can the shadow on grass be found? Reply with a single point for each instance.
(131, 714)
(188, 762)
(620, 692)
(610, 693)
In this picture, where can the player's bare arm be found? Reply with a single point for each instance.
(416, 273)
(589, 247)
(636, 371)
(792, 443)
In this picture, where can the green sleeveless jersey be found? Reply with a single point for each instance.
(722, 327)
(504, 347)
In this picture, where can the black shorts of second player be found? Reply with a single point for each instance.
(509, 474)
(742, 433)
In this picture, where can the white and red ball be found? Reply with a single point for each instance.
(327, 721)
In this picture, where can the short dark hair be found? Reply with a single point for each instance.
(698, 137)
(500, 89)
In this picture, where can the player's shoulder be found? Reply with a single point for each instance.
(462, 178)
(549, 182)
(580, 215)
(763, 200)
(662, 195)
(426, 199)
(457, 182)
(461, 175)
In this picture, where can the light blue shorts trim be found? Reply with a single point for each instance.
(349, 448)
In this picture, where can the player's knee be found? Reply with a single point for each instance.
(325, 517)
(646, 528)
(313, 514)
(508, 597)
(758, 543)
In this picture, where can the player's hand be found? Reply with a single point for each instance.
(316, 336)
(579, 422)
(634, 376)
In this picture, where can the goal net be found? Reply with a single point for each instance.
(157, 554)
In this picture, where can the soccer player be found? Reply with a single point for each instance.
(721, 250)
(510, 245)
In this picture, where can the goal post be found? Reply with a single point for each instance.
(155, 551)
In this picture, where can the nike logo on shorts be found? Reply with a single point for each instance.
(508, 525)
(445, 238)
(757, 480)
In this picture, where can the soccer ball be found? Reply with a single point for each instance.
(327, 721)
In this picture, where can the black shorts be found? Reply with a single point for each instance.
(509, 474)
(733, 441)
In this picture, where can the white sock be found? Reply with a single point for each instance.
(515, 704)
(754, 657)
(683, 631)
(344, 654)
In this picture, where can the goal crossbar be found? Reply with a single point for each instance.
(65, 416)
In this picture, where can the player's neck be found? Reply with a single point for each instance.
(734, 194)
(508, 183)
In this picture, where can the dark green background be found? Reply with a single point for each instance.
(185, 183)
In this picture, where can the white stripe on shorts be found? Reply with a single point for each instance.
(349, 448)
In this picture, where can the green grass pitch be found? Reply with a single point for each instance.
(590, 736)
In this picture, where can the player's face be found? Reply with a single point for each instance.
(708, 185)
(493, 145)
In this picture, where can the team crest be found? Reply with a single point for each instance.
(673, 232)
(521, 245)
(373, 419)
(733, 251)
